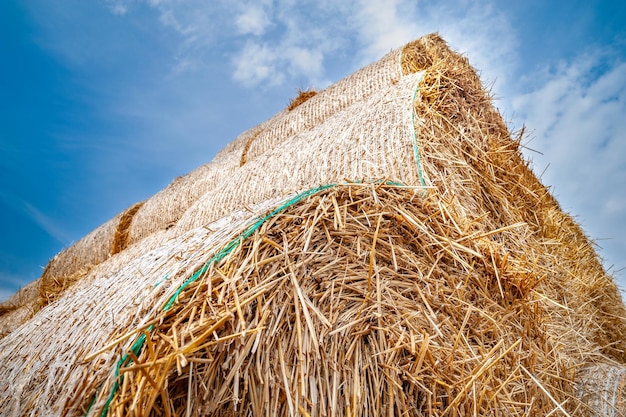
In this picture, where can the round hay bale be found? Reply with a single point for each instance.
(19, 308)
(75, 262)
(362, 299)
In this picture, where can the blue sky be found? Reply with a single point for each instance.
(104, 102)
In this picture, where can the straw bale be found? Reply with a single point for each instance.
(313, 112)
(365, 299)
(76, 261)
(19, 308)
(370, 139)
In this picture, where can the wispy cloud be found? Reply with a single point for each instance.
(294, 40)
(257, 63)
(196, 23)
(477, 29)
(47, 224)
(118, 7)
(295, 49)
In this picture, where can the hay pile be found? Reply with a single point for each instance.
(405, 261)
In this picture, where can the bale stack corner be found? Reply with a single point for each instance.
(405, 262)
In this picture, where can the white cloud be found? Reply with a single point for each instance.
(383, 25)
(197, 24)
(271, 64)
(120, 9)
(168, 19)
(252, 20)
(261, 63)
(307, 34)
(295, 50)
(486, 36)
(256, 63)
(304, 61)
(476, 29)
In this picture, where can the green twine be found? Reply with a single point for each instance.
(415, 145)
(246, 234)
(138, 345)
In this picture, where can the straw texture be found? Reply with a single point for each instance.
(390, 256)
(116, 297)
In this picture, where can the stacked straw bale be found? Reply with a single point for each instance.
(380, 249)
(166, 207)
(163, 210)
